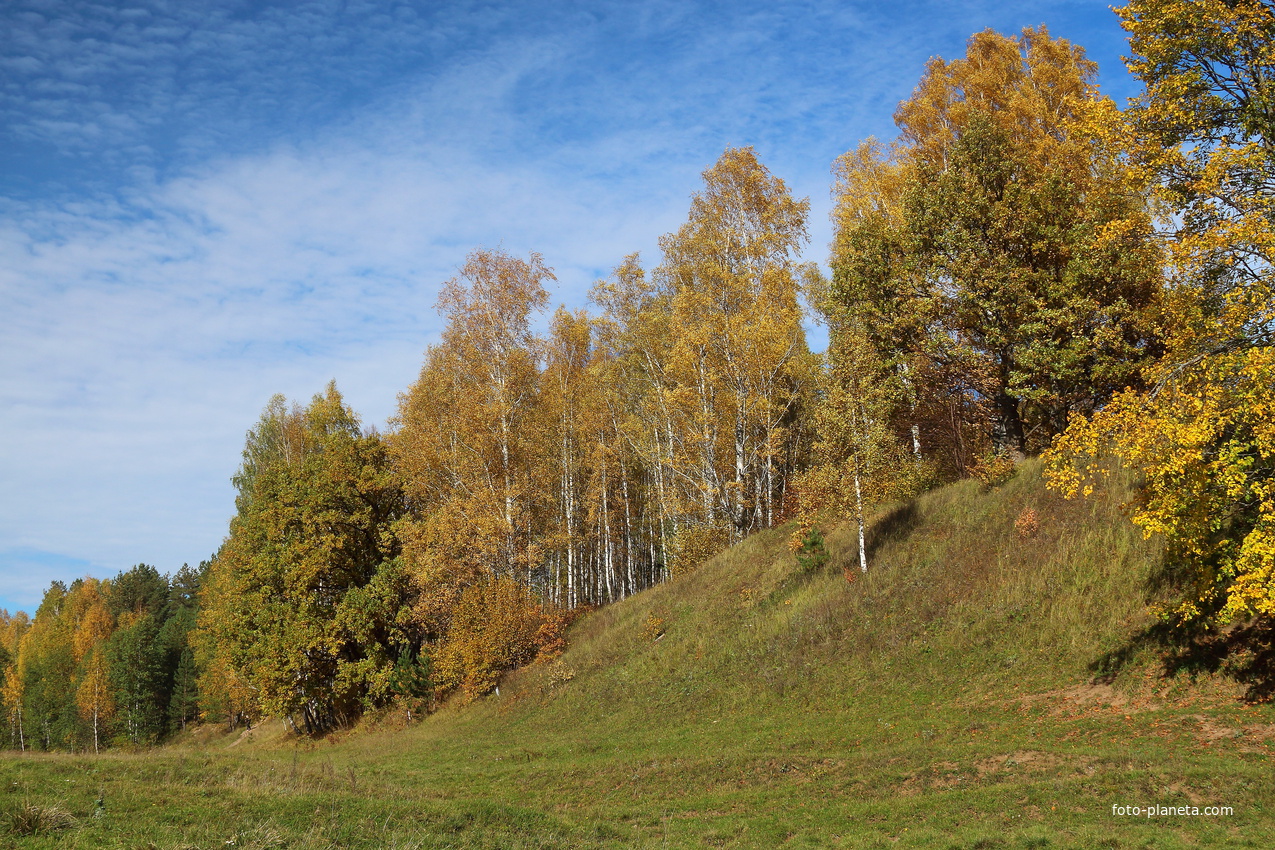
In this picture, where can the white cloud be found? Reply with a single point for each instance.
(289, 195)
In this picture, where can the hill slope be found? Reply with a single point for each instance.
(961, 694)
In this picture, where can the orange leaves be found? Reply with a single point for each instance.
(1027, 524)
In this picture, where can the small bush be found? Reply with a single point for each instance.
(560, 673)
(653, 628)
(33, 818)
(494, 627)
(994, 469)
(1028, 523)
(812, 556)
(551, 637)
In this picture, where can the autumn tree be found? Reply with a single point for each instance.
(12, 629)
(463, 441)
(94, 695)
(738, 362)
(1202, 432)
(493, 627)
(632, 364)
(569, 410)
(47, 664)
(858, 459)
(996, 255)
(305, 593)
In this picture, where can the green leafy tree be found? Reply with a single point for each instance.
(997, 256)
(183, 706)
(139, 590)
(181, 614)
(309, 558)
(136, 661)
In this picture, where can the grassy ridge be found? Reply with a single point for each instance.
(961, 694)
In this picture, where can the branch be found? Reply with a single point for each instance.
(1264, 339)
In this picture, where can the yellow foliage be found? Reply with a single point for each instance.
(653, 628)
(691, 546)
(994, 468)
(494, 627)
(1203, 436)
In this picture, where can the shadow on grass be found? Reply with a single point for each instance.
(897, 524)
(1244, 652)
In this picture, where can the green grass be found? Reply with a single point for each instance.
(976, 689)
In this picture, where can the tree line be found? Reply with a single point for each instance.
(1024, 269)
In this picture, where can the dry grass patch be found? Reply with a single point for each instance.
(31, 818)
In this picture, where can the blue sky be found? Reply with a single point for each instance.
(203, 204)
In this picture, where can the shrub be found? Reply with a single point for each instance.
(994, 469)
(653, 628)
(495, 627)
(1028, 523)
(812, 555)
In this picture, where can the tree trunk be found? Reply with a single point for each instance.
(858, 499)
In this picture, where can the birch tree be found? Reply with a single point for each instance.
(738, 360)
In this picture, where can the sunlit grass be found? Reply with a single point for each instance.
(951, 698)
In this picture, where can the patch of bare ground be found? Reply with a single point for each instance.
(266, 731)
(946, 775)
(1084, 697)
(1032, 761)
(1250, 738)
(1186, 791)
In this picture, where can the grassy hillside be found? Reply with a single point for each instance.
(993, 681)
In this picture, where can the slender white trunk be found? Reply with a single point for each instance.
(628, 587)
(738, 510)
(858, 499)
(659, 486)
(768, 479)
(607, 564)
(509, 495)
(708, 461)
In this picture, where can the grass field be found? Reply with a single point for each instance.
(993, 681)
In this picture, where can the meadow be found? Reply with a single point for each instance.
(994, 681)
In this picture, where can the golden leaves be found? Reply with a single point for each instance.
(1202, 435)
